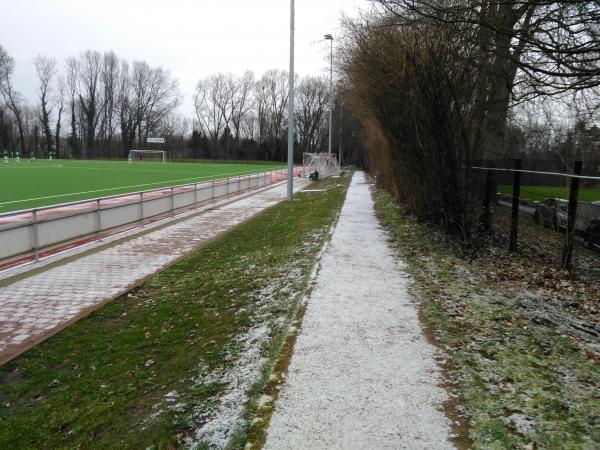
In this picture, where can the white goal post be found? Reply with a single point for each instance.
(148, 155)
(321, 162)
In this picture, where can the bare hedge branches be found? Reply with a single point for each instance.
(434, 82)
(413, 89)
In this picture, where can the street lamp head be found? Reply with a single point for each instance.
(329, 37)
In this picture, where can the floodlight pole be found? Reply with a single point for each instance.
(329, 37)
(341, 130)
(291, 118)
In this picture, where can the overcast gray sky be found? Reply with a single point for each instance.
(190, 38)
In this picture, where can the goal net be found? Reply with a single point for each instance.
(323, 163)
(148, 156)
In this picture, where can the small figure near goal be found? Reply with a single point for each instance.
(322, 163)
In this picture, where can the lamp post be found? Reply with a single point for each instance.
(329, 37)
(290, 181)
(341, 130)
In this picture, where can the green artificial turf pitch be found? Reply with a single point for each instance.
(42, 183)
(540, 193)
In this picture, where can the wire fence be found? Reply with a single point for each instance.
(545, 214)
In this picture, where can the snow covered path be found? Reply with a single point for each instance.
(362, 375)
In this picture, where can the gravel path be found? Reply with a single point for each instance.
(38, 306)
(362, 375)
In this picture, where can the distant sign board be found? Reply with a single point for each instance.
(155, 140)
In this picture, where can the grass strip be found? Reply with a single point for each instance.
(151, 368)
(541, 193)
(524, 378)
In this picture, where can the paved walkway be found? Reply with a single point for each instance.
(37, 306)
(362, 375)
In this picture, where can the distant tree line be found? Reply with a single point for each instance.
(442, 86)
(242, 117)
(97, 105)
(94, 105)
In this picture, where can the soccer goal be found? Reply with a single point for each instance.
(323, 163)
(148, 156)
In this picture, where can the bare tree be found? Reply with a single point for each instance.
(72, 77)
(250, 125)
(59, 101)
(272, 90)
(90, 68)
(211, 99)
(526, 48)
(311, 108)
(11, 97)
(110, 78)
(164, 98)
(46, 70)
(156, 96)
(241, 102)
(126, 108)
(145, 98)
(141, 83)
(261, 105)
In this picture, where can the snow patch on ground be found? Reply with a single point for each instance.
(220, 423)
(523, 424)
(227, 418)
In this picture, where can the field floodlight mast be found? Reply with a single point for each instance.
(291, 94)
(329, 37)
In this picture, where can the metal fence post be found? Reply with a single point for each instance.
(195, 194)
(172, 201)
(486, 218)
(567, 256)
(98, 220)
(142, 208)
(35, 236)
(213, 190)
(514, 225)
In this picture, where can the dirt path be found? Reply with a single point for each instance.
(38, 306)
(362, 375)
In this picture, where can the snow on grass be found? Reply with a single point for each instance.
(221, 423)
(248, 358)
